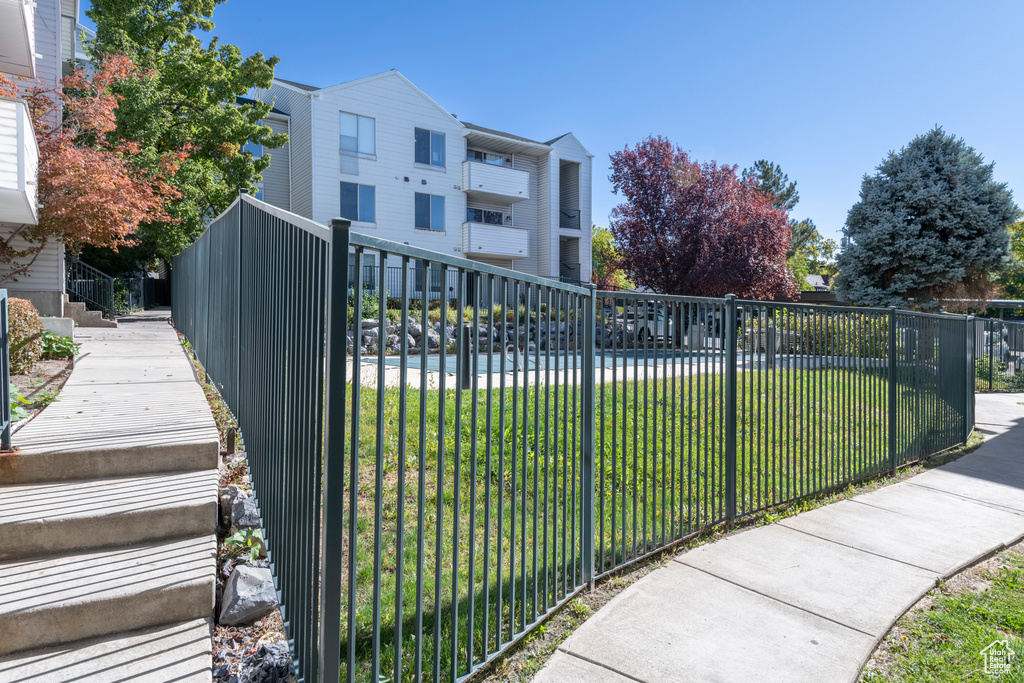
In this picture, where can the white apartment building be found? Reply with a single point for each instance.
(383, 154)
(37, 41)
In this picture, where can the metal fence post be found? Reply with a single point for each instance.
(589, 380)
(892, 390)
(5, 370)
(991, 327)
(730, 407)
(969, 407)
(332, 526)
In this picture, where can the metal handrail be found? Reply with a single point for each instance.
(89, 285)
(569, 219)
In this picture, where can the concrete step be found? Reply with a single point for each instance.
(181, 652)
(63, 517)
(54, 600)
(45, 456)
(83, 317)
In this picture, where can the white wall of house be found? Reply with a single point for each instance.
(318, 166)
(44, 284)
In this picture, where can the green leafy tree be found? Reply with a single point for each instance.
(1011, 280)
(186, 100)
(930, 225)
(769, 178)
(605, 257)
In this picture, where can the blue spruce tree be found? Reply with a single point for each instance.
(931, 224)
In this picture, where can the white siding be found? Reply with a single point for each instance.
(525, 214)
(300, 144)
(46, 274)
(568, 148)
(19, 164)
(398, 109)
(546, 213)
(276, 186)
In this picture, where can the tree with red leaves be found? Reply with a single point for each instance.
(697, 229)
(92, 188)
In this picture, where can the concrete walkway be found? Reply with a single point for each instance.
(108, 519)
(809, 598)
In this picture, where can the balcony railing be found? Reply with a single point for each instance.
(19, 164)
(569, 219)
(495, 183)
(482, 239)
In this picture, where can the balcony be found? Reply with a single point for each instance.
(19, 164)
(17, 38)
(494, 183)
(480, 239)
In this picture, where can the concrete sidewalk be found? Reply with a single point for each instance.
(809, 598)
(108, 513)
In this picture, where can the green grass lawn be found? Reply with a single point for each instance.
(944, 643)
(498, 543)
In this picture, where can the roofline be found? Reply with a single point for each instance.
(289, 86)
(572, 135)
(392, 72)
(518, 141)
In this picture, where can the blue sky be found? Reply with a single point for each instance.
(824, 89)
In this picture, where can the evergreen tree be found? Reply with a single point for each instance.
(769, 178)
(930, 224)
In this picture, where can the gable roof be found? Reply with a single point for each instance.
(301, 86)
(396, 74)
(491, 131)
(570, 137)
(249, 100)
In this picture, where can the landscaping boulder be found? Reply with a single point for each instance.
(433, 339)
(244, 514)
(248, 595)
(229, 495)
(269, 664)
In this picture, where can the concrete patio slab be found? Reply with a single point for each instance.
(681, 624)
(822, 577)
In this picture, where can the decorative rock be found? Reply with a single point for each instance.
(414, 329)
(370, 333)
(370, 323)
(248, 595)
(410, 341)
(433, 339)
(269, 664)
(244, 514)
(229, 495)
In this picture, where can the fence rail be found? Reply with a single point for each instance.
(436, 475)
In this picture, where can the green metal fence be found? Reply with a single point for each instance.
(435, 475)
(1000, 363)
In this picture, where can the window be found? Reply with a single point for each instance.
(254, 148)
(487, 217)
(489, 158)
(359, 202)
(259, 191)
(429, 212)
(358, 134)
(429, 147)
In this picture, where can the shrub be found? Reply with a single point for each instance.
(25, 335)
(56, 348)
